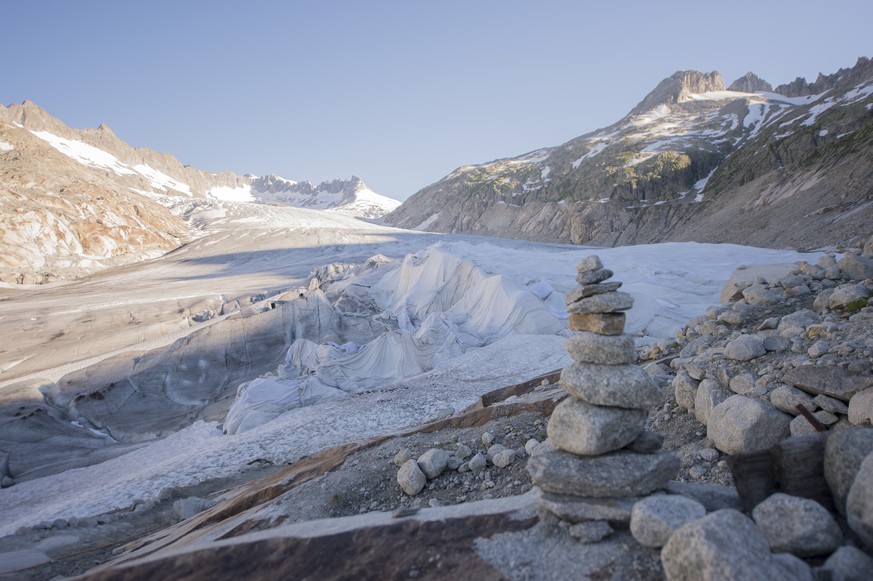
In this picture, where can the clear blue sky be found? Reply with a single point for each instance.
(399, 93)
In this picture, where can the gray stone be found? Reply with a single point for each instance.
(741, 424)
(844, 452)
(504, 458)
(709, 395)
(744, 348)
(593, 276)
(818, 349)
(587, 347)
(712, 496)
(723, 545)
(759, 294)
(856, 267)
(531, 445)
(588, 290)
(605, 303)
(796, 568)
(655, 518)
(685, 389)
(846, 564)
(743, 383)
(402, 457)
(822, 299)
(478, 462)
(589, 263)
(831, 380)
(861, 408)
(776, 344)
(830, 404)
(494, 450)
(800, 526)
(848, 296)
(622, 473)
(463, 452)
(433, 462)
(800, 426)
(600, 323)
(859, 503)
(582, 428)
(487, 439)
(800, 319)
(786, 399)
(410, 478)
(591, 531)
(578, 509)
(868, 247)
(624, 386)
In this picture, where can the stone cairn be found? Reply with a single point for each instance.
(600, 461)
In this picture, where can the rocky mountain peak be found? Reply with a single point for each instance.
(750, 83)
(799, 87)
(677, 87)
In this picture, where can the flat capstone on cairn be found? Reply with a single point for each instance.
(600, 461)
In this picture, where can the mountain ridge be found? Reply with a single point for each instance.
(660, 173)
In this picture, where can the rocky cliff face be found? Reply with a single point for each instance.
(750, 83)
(690, 162)
(61, 219)
(76, 201)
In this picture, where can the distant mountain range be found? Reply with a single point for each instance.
(784, 167)
(76, 201)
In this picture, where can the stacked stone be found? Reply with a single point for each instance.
(601, 459)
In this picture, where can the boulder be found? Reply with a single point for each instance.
(600, 323)
(740, 424)
(685, 389)
(856, 267)
(861, 408)
(859, 503)
(709, 394)
(846, 564)
(744, 348)
(623, 386)
(582, 428)
(578, 508)
(849, 297)
(185, 508)
(759, 294)
(800, 526)
(723, 545)
(622, 473)
(831, 380)
(410, 478)
(844, 452)
(585, 347)
(605, 303)
(593, 276)
(433, 462)
(796, 568)
(655, 518)
(786, 399)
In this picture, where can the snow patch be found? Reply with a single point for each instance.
(6, 146)
(84, 153)
(232, 194)
(161, 180)
(597, 148)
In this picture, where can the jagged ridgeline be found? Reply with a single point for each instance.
(789, 166)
